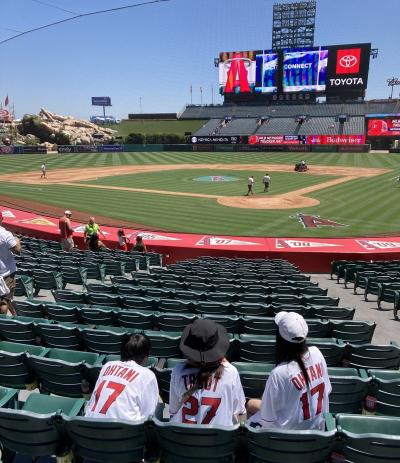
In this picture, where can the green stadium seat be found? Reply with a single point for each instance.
(277, 446)
(120, 441)
(17, 331)
(95, 270)
(59, 336)
(320, 300)
(74, 275)
(158, 293)
(100, 288)
(367, 439)
(385, 388)
(355, 332)
(230, 322)
(99, 299)
(348, 390)
(60, 372)
(214, 308)
(225, 298)
(181, 443)
(250, 309)
(332, 313)
(137, 303)
(129, 290)
(114, 267)
(135, 320)
(24, 286)
(14, 371)
(253, 298)
(370, 356)
(29, 309)
(164, 345)
(386, 293)
(104, 341)
(62, 314)
(97, 316)
(72, 297)
(32, 431)
(174, 321)
(8, 397)
(47, 280)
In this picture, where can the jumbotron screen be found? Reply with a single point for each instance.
(384, 127)
(332, 69)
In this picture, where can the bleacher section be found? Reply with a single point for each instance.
(209, 127)
(100, 298)
(316, 110)
(239, 127)
(278, 126)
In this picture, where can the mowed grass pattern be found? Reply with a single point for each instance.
(184, 180)
(367, 206)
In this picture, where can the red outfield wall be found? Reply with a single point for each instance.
(312, 255)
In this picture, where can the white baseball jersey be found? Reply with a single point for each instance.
(43, 167)
(216, 404)
(124, 390)
(266, 179)
(287, 403)
(250, 181)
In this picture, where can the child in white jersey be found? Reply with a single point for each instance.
(296, 394)
(206, 388)
(125, 389)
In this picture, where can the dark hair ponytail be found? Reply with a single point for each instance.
(289, 351)
(203, 377)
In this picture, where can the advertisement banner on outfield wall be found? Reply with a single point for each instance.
(277, 139)
(77, 149)
(336, 139)
(6, 149)
(110, 148)
(218, 139)
(34, 149)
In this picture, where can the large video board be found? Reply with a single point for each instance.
(332, 69)
(385, 127)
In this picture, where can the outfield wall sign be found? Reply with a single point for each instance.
(218, 139)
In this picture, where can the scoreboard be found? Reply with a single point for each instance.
(330, 70)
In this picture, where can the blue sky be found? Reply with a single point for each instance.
(156, 52)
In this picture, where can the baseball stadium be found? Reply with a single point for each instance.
(230, 271)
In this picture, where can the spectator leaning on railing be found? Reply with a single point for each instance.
(9, 245)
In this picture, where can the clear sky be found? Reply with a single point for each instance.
(154, 53)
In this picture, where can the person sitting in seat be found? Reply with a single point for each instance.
(206, 388)
(126, 389)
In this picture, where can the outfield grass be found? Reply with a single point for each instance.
(367, 205)
(144, 126)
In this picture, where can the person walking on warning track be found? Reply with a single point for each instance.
(266, 182)
(250, 183)
(43, 170)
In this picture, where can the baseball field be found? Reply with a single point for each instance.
(351, 194)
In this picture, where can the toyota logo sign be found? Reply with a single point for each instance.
(348, 61)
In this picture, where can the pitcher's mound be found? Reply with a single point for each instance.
(268, 202)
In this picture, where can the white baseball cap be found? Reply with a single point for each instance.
(68, 212)
(292, 326)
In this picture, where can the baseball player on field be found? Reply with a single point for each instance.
(206, 388)
(125, 389)
(296, 394)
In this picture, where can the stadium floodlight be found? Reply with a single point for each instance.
(393, 82)
(293, 24)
